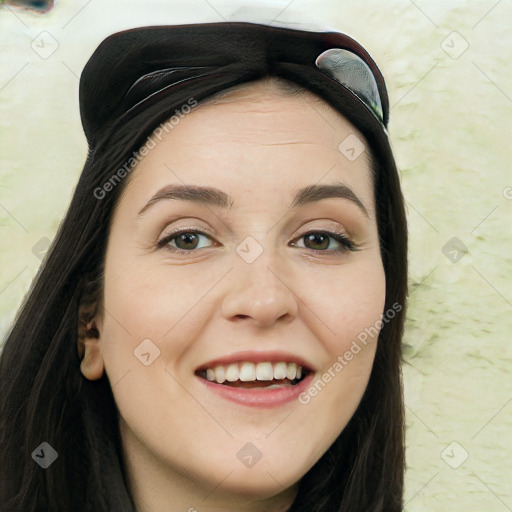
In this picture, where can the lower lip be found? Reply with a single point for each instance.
(259, 397)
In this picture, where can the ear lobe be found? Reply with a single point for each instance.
(89, 350)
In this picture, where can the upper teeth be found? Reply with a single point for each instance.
(249, 372)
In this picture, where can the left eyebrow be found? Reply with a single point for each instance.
(215, 197)
(313, 193)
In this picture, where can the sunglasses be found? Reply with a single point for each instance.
(352, 72)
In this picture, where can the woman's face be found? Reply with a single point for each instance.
(246, 293)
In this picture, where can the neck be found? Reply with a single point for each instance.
(156, 487)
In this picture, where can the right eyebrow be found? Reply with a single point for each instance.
(313, 193)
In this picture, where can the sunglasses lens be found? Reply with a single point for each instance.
(352, 72)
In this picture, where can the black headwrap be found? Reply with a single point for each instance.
(137, 78)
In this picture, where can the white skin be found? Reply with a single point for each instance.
(180, 440)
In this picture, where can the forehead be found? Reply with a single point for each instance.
(254, 135)
(275, 106)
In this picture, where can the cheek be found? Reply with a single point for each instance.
(147, 297)
(349, 306)
(350, 311)
(158, 303)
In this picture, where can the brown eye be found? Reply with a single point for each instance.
(185, 241)
(327, 242)
(316, 241)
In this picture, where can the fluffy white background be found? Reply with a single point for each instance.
(451, 131)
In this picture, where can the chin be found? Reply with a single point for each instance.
(264, 479)
(256, 485)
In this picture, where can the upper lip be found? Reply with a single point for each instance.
(251, 356)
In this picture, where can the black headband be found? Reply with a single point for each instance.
(138, 77)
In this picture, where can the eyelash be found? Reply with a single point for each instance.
(345, 243)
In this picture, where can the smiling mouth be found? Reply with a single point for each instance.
(265, 375)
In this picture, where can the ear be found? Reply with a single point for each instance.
(89, 346)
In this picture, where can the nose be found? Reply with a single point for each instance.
(260, 292)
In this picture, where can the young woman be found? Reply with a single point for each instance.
(218, 323)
